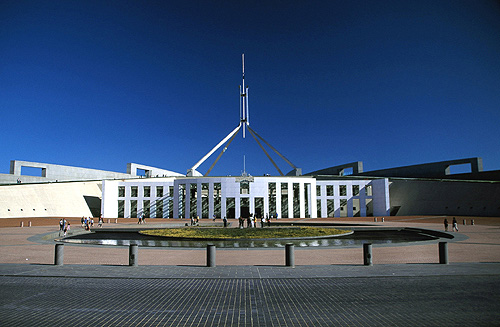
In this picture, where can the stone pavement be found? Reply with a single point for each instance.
(384, 295)
(172, 287)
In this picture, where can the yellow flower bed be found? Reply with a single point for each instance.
(245, 233)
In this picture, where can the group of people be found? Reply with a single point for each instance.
(195, 221)
(252, 221)
(141, 219)
(88, 222)
(64, 226)
(454, 224)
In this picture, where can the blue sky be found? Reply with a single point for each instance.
(391, 83)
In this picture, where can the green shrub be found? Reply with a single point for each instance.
(245, 233)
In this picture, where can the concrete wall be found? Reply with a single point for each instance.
(53, 173)
(150, 171)
(429, 170)
(61, 173)
(49, 199)
(442, 197)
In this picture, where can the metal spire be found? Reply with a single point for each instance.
(245, 123)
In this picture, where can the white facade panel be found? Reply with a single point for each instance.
(194, 202)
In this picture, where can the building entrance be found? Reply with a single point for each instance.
(245, 207)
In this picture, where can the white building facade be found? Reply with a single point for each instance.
(232, 197)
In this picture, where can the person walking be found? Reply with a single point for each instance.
(61, 226)
(445, 224)
(66, 229)
(225, 221)
(455, 225)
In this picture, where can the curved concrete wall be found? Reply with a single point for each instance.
(49, 199)
(443, 197)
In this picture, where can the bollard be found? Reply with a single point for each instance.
(22, 224)
(210, 255)
(383, 219)
(464, 222)
(367, 254)
(472, 222)
(133, 255)
(375, 219)
(59, 254)
(443, 253)
(109, 220)
(116, 220)
(29, 223)
(290, 255)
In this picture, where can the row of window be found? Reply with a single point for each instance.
(165, 209)
(244, 189)
(343, 190)
(134, 191)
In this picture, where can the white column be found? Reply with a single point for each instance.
(198, 200)
(302, 200)
(252, 204)
(336, 205)
(187, 203)
(211, 209)
(175, 198)
(266, 201)
(237, 206)
(278, 199)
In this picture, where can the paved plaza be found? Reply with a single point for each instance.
(405, 286)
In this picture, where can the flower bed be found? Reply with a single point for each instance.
(245, 233)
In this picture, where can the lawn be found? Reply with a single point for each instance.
(244, 233)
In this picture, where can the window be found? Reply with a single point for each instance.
(193, 200)
(230, 208)
(182, 200)
(284, 200)
(318, 190)
(343, 208)
(145, 209)
(147, 191)
(121, 191)
(133, 209)
(296, 200)
(343, 190)
(121, 208)
(217, 200)
(272, 198)
(204, 200)
(159, 208)
(368, 190)
(355, 190)
(244, 188)
(133, 192)
(159, 191)
(307, 189)
(330, 208)
(329, 190)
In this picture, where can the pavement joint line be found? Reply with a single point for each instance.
(250, 278)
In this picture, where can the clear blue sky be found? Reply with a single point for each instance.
(389, 83)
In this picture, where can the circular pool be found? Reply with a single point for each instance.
(357, 238)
